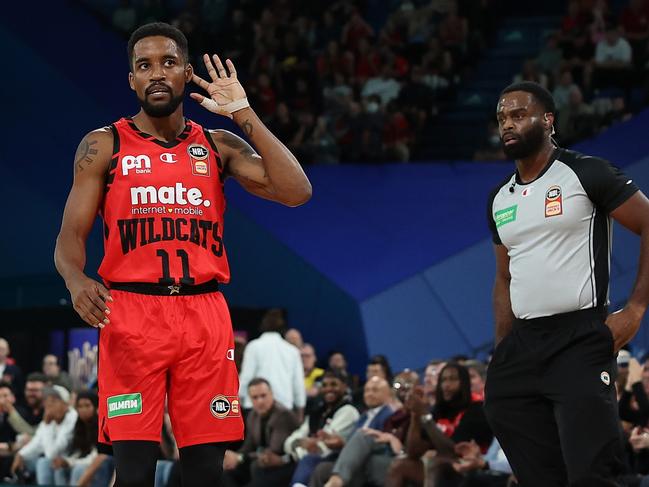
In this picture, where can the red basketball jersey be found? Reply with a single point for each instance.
(163, 208)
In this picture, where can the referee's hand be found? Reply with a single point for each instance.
(624, 324)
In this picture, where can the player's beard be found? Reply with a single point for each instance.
(159, 110)
(527, 144)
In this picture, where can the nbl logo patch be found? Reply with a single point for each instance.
(223, 407)
(198, 157)
(553, 201)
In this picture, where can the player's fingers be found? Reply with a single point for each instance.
(196, 96)
(219, 66)
(210, 68)
(200, 82)
(104, 293)
(231, 69)
(100, 309)
(96, 315)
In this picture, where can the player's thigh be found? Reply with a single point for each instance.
(203, 383)
(135, 351)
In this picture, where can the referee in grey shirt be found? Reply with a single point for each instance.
(550, 392)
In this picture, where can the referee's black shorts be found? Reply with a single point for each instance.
(550, 399)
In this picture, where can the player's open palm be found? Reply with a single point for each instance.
(224, 88)
(89, 299)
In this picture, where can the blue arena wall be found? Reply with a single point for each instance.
(392, 259)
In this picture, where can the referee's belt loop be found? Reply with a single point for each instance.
(157, 289)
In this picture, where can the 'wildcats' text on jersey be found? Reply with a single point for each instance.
(163, 208)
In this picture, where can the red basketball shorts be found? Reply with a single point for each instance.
(176, 347)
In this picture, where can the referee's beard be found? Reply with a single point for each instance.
(527, 144)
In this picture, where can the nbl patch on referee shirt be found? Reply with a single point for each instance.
(553, 201)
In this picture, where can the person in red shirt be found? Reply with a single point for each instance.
(157, 179)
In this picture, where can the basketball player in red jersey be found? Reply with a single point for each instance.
(157, 181)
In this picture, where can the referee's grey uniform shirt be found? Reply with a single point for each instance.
(557, 231)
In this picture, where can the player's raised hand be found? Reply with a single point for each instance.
(226, 95)
(89, 299)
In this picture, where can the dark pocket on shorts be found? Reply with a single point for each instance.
(500, 352)
(607, 333)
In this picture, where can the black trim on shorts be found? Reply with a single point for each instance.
(162, 290)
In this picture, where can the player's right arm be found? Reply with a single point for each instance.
(503, 314)
(91, 164)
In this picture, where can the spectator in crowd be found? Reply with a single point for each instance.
(561, 93)
(369, 452)
(384, 85)
(477, 470)
(274, 359)
(9, 372)
(633, 400)
(7, 432)
(261, 461)
(577, 120)
(456, 417)
(53, 372)
(337, 361)
(81, 464)
(478, 376)
(294, 337)
(613, 57)
(550, 58)
(25, 418)
(530, 72)
(377, 397)
(431, 376)
(634, 22)
(492, 147)
(315, 440)
(52, 438)
(312, 374)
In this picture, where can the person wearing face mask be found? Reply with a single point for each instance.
(550, 391)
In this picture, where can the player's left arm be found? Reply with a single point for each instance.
(273, 173)
(634, 215)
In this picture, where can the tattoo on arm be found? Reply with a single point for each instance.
(234, 142)
(85, 154)
(247, 127)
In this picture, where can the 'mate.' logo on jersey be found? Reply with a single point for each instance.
(141, 164)
(168, 195)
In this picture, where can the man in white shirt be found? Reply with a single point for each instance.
(52, 437)
(274, 359)
(613, 56)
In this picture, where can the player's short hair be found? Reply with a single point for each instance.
(158, 29)
(6, 385)
(258, 381)
(540, 94)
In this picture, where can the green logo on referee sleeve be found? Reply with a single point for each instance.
(124, 404)
(507, 215)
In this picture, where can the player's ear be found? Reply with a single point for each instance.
(189, 72)
(131, 82)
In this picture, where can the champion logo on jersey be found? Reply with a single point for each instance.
(168, 157)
